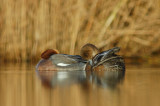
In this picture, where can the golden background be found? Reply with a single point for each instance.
(28, 27)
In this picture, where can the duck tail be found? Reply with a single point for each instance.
(116, 49)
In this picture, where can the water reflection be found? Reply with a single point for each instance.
(105, 79)
(61, 78)
(20, 86)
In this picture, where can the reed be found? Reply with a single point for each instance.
(28, 27)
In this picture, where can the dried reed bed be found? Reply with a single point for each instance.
(28, 27)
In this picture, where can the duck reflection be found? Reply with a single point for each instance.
(105, 79)
(61, 78)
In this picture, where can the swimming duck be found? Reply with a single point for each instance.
(52, 60)
(90, 58)
(106, 60)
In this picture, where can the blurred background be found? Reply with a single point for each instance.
(28, 27)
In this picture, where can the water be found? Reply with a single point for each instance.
(21, 85)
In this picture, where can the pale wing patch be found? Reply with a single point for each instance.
(62, 64)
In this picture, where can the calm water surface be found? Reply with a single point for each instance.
(21, 85)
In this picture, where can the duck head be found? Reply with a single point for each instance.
(46, 54)
(88, 51)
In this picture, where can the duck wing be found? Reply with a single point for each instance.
(66, 59)
(77, 58)
(109, 53)
(105, 56)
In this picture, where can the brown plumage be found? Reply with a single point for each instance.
(46, 54)
(88, 51)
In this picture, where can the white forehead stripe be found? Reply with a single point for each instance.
(62, 64)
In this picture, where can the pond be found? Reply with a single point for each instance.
(21, 85)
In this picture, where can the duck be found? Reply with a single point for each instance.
(90, 59)
(52, 60)
(106, 61)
